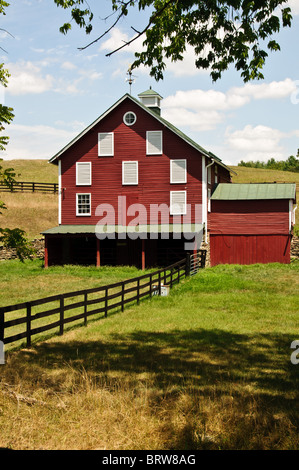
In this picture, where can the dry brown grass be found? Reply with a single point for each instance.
(33, 213)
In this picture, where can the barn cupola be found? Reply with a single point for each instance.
(152, 100)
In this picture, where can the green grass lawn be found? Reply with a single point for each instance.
(207, 367)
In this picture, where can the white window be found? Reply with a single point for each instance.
(178, 171)
(83, 173)
(106, 144)
(154, 142)
(129, 173)
(216, 174)
(130, 118)
(83, 204)
(178, 202)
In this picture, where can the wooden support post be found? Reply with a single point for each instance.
(46, 253)
(98, 254)
(143, 255)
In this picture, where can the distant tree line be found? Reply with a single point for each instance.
(291, 164)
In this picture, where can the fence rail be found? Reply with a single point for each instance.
(82, 303)
(32, 187)
(25, 318)
(196, 261)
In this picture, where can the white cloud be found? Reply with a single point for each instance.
(26, 78)
(294, 4)
(118, 38)
(68, 66)
(205, 109)
(272, 90)
(37, 141)
(254, 143)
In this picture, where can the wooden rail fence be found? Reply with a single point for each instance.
(23, 186)
(105, 298)
(78, 303)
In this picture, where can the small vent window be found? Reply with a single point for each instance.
(130, 118)
(154, 142)
(178, 202)
(106, 144)
(83, 173)
(130, 173)
(178, 172)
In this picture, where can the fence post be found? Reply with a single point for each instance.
(188, 264)
(106, 302)
(138, 290)
(85, 309)
(159, 280)
(2, 325)
(61, 322)
(28, 324)
(122, 296)
(33, 187)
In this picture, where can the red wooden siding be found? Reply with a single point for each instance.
(249, 249)
(249, 217)
(129, 144)
(248, 232)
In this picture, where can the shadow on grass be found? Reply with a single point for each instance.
(206, 363)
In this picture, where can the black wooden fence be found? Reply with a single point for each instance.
(22, 186)
(28, 316)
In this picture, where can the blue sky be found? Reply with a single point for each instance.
(57, 90)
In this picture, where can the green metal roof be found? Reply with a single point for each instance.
(150, 92)
(254, 191)
(91, 229)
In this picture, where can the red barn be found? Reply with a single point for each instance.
(126, 184)
(251, 223)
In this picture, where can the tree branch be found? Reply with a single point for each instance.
(140, 33)
(107, 31)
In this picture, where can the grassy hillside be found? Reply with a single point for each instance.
(37, 171)
(257, 175)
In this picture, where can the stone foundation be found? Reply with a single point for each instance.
(38, 245)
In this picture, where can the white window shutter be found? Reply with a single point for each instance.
(154, 142)
(130, 173)
(106, 144)
(178, 202)
(83, 177)
(178, 172)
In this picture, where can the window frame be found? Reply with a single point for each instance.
(160, 152)
(78, 164)
(171, 171)
(112, 145)
(123, 173)
(124, 118)
(77, 205)
(171, 203)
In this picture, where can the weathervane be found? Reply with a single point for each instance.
(130, 80)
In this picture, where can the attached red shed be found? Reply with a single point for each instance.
(251, 223)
